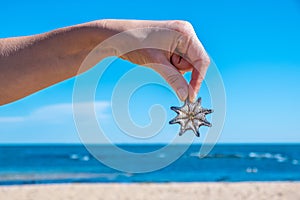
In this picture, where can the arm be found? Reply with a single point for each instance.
(29, 64)
(32, 63)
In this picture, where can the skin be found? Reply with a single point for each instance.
(31, 63)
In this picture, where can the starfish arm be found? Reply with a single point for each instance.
(180, 110)
(185, 109)
(207, 111)
(176, 109)
(173, 121)
(182, 130)
(191, 126)
(195, 129)
(176, 120)
(206, 123)
(198, 123)
(197, 105)
(200, 116)
(198, 101)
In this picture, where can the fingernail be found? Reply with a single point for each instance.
(192, 98)
(182, 93)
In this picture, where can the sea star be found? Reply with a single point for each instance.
(191, 116)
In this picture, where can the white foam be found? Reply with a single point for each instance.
(251, 170)
(85, 158)
(295, 162)
(74, 156)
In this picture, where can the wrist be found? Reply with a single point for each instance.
(96, 33)
(103, 32)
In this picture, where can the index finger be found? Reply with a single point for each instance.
(200, 61)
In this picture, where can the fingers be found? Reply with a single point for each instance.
(191, 49)
(197, 78)
(200, 61)
(196, 81)
(173, 77)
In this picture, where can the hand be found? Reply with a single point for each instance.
(179, 51)
(169, 47)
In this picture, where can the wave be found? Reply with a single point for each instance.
(196, 154)
(252, 155)
(30, 178)
(79, 157)
(277, 156)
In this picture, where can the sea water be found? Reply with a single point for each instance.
(226, 163)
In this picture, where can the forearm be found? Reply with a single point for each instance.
(29, 64)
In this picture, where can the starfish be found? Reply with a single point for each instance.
(191, 116)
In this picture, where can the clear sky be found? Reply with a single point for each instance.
(255, 44)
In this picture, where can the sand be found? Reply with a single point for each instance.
(172, 191)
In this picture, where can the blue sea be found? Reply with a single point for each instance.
(74, 164)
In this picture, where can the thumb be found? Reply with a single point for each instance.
(173, 77)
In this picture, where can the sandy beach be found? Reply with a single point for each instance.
(174, 191)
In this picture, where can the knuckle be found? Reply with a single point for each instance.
(206, 60)
(182, 25)
(202, 62)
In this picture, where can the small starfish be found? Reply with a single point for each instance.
(191, 116)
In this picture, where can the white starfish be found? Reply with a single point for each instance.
(191, 116)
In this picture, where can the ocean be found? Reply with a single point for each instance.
(74, 164)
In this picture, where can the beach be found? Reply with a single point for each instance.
(245, 172)
(174, 191)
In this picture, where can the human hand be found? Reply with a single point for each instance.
(179, 51)
(169, 47)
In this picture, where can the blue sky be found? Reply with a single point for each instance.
(255, 44)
